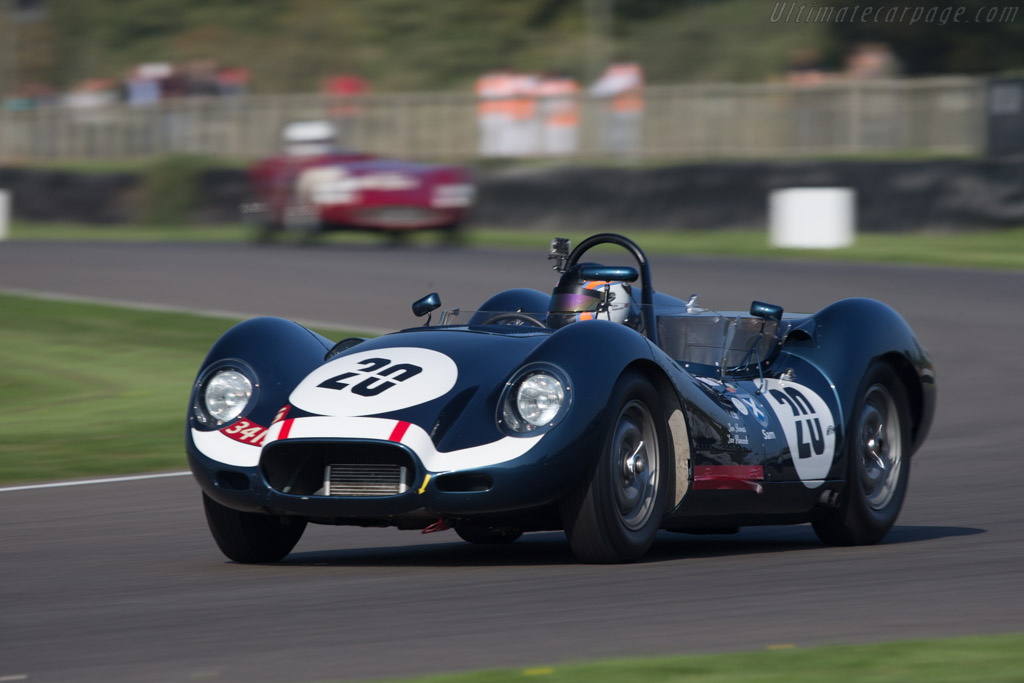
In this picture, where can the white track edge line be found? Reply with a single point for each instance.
(166, 308)
(87, 482)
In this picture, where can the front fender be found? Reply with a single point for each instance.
(594, 353)
(280, 351)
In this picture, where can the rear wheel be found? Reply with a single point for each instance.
(614, 513)
(249, 537)
(877, 463)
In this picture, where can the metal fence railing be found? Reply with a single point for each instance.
(934, 115)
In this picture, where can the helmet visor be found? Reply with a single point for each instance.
(574, 302)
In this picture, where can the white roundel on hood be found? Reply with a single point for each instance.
(375, 382)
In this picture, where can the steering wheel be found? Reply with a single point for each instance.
(647, 289)
(513, 318)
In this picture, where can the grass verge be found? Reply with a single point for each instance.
(92, 390)
(993, 659)
(976, 249)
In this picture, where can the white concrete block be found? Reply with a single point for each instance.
(812, 217)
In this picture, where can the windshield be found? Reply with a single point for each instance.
(731, 341)
(461, 317)
(706, 341)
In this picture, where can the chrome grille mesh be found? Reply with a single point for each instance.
(337, 468)
(354, 480)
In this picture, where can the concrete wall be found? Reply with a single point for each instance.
(891, 196)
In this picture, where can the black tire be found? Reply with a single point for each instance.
(615, 511)
(250, 537)
(486, 534)
(877, 469)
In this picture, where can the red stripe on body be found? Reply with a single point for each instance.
(728, 478)
(399, 431)
(245, 431)
(281, 414)
(286, 427)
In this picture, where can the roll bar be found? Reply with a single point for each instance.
(646, 288)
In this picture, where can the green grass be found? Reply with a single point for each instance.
(128, 165)
(71, 232)
(991, 659)
(90, 390)
(977, 249)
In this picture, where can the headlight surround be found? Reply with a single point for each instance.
(223, 393)
(534, 400)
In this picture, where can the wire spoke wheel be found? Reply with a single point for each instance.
(880, 447)
(615, 511)
(636, 469)
(877, 463)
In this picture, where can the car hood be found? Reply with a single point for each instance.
(446, 381)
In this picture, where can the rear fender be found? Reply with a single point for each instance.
(851, 334)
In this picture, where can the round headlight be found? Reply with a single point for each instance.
(539, 397)
(226, 394)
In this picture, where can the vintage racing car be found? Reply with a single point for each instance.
(605, 409)
(315, 185)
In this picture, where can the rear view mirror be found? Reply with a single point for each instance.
(609, 273)
(430, 302)
(759, 309)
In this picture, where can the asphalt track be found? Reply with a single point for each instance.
(121, 582)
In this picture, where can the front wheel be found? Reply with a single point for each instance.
(614, 513)
(877, 463)
(249, 537)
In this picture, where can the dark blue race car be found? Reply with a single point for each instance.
(605, 409)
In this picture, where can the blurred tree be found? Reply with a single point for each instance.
(293, 45)
(972, 45)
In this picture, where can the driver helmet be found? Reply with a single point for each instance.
(575, 300)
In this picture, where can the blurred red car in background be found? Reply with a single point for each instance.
(315, 186)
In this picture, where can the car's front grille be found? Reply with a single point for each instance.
(338, 468)
(364, 480)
